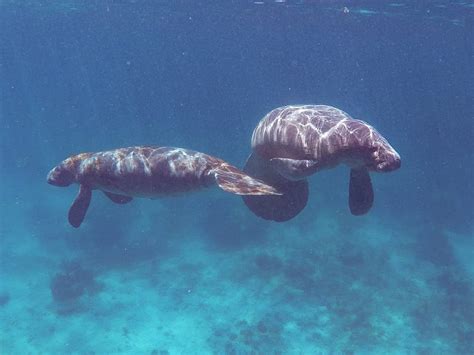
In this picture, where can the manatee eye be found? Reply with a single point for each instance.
(375, 154)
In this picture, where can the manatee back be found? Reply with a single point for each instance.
(147, 171)
(316, 132)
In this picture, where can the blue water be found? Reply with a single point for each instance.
(201, 274)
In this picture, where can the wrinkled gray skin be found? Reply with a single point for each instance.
(293, 142)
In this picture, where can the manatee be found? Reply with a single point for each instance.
(149, 172)
(292, 143)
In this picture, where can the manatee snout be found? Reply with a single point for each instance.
(387, 160)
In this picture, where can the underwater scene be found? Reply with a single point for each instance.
(236, 177)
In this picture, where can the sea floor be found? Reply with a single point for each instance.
(160, 283)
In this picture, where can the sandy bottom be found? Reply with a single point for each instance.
(168, 284)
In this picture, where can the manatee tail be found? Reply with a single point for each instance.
(361, 194)
(233, 180)
(79, 207)
(276, 208)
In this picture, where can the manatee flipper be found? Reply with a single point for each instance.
(294, 169)
(79, 207)
(233, 180)
(361, 194)
(276, 208)
(120, 199)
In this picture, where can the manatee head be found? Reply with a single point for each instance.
(383, 158)
(63, 174)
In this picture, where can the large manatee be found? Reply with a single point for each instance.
(293, 142)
